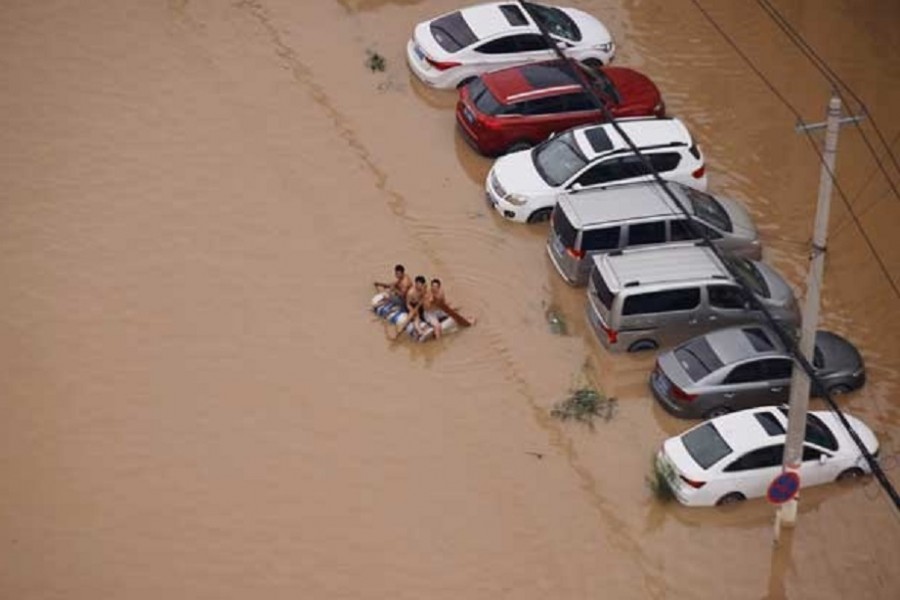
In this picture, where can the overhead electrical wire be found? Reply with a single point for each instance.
(786, 337)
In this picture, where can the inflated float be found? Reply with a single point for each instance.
(396, 314)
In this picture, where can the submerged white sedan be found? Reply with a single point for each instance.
(458, 46)
(731, 458)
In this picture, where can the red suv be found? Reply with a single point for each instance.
(519, 107)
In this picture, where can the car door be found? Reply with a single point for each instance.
(778, 380)
(752, 473)
(667, 316)
(727, 305)
(817, 466)
(743, 386)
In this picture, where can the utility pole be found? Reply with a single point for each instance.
(800, 384)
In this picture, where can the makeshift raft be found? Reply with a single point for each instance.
(395, 312)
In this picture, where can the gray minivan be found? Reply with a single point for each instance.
(599, 221)
(647, 298)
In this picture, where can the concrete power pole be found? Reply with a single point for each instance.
(800, 383)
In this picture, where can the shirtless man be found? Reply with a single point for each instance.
(415, 301)
(434, 301)
(396, 291)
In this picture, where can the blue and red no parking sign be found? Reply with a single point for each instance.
(783, 488)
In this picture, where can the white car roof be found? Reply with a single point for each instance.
(643, 132)
(487, 20)
(743, 432)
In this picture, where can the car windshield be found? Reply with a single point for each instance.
(603, 85)
(554, 20)
(818, 433)
(707, 208)
(697, 358)
(706, 445)
(452, 32)
(750, 275)
(557, 159)
(563, 228)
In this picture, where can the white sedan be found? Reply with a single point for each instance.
(458, 46)
(734, 457)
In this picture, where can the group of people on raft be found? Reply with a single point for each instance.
(425, 304)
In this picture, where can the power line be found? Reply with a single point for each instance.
(787, 337)
(836, 82)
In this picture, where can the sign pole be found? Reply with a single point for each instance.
(800, 384)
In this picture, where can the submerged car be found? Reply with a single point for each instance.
(743, 367)
(455, 47)
(519, 107)
(524, 186)
(735, 457)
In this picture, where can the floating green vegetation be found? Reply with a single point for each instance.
(374, 61)
(660, 480)
(583, 405)
(556, 320)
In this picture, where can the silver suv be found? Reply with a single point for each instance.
(600, 221)
(647, 298)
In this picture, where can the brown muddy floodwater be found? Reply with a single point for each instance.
(196, 196)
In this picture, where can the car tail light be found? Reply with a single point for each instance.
(694, 484)
(680, 394)
(699, 172)
(611, 334)
(579, 254)
(441, 66)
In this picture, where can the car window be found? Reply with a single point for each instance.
(600, 239)
(554, 20)
(749, 274)
(697, 358)
(706, 445)
(452, 32)
(614, 169)
(483, 99)
(747, 372)
(810, 453)
(680, 230)
(577, 102)
(777, 368)
(761, 458)
(530, 42)
(729, 297)
(819, 434)
(661, 302)
(544, 106)
(647, 233)
(503, 45)
(601, 290)
(563, 227)
(665, 161)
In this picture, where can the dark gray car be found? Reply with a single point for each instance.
(744, 367)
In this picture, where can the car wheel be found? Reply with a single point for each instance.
(851, 473)
(642, 346)
(839, 390)
(732, 498)
(716, 412)
(518, 146)
(540, 215)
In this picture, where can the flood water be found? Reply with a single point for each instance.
(196, 197)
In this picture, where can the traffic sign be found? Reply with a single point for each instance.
(783, 488)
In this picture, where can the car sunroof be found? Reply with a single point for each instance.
(758, 339)
(598, 139)
(547, 76)
(769, 423)
(513, 14)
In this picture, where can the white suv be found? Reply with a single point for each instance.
(524, 186)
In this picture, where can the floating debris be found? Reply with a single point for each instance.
(583, 404)
(660, 480)
(375, 62)
(556, 320)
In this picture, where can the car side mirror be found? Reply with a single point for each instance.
(823, 458)
(575, 187)
(551, 136)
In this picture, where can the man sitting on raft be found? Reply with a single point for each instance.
(396, 291)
